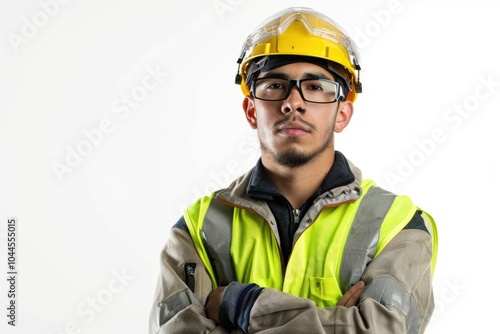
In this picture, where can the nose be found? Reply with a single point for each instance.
(293, 102)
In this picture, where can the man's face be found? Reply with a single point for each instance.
(292, 132)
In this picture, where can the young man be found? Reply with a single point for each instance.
(301, 243)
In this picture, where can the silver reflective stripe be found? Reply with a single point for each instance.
(167, 309)
(388, 292)
(363, 237)
(217, 231)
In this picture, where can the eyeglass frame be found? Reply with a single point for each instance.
(296, 83)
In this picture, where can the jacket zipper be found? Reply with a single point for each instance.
(189, 270)
(296, 216)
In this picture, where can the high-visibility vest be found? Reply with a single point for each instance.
(236, 244)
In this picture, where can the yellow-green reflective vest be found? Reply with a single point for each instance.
(236, 244)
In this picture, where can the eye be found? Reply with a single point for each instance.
(274, 85)
(314, 87)
(320, 86)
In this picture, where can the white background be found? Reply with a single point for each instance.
(67, 66)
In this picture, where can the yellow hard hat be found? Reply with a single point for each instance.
(300, 31)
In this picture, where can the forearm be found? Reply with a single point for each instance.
(397, 298)
(278, 312)
(289, 314)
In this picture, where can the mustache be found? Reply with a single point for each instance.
(294, 118)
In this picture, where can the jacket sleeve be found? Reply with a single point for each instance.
(182, 290)
(397, 298)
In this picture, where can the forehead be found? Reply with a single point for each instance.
(298, 71)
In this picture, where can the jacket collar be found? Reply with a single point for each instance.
(340, 174)
(342, 184)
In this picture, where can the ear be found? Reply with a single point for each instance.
(344, 115)
(249, 109)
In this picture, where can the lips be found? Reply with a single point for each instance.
(293, 129)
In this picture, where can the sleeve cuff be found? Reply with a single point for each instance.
(237, 302)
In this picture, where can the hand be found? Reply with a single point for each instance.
(351, 297)
(213, 302)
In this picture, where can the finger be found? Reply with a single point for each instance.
(347, 298)
(353, 300)
(351, 297)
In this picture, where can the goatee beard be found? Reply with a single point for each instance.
(292, 158)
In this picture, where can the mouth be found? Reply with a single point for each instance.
(293, 129)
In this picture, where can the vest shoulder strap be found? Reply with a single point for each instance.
(216, 235)
(364, 235)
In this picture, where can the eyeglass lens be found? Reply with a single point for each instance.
(312, 90)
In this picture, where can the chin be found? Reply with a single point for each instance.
(293, 158)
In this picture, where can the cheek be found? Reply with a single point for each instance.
(264, 129)
(265, 118)
(324, 120)
(327, 129)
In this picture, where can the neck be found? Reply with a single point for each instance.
(297, 184)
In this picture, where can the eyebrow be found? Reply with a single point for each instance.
(307, 75)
